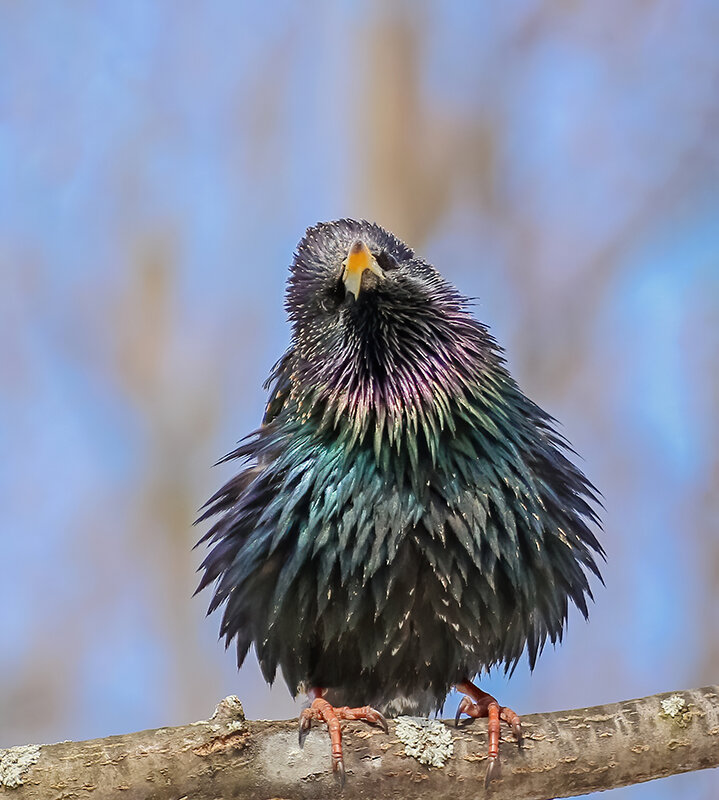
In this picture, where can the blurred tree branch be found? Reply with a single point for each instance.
(566, 753)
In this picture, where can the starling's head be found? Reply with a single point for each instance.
(344, 263)
(372, 321)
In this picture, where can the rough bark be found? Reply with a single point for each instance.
(566, 753)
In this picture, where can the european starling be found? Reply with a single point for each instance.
(405, 517)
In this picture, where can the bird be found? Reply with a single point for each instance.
(405, 517)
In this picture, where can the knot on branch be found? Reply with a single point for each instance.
(230, 708)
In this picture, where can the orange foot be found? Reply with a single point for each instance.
(322, 711)
(477, 703)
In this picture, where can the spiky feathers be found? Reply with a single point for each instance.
(406, 516)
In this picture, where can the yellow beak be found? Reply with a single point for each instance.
(358, 260)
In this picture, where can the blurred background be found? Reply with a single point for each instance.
(158, 164)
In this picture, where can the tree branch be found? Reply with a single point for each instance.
(566, 753)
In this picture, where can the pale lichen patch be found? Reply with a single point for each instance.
(676, 708)
(15, 762)
(427, 740)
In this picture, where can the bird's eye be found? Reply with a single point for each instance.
(333, 296)
(386, 261)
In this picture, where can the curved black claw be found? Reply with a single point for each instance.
(493, 771)
(517, 731)
(382, 722)
(339, 768)
(304, 729)
(464, 705)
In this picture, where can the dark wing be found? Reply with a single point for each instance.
(240, 539)
(278, 384)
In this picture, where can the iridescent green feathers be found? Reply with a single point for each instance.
(406, 517)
